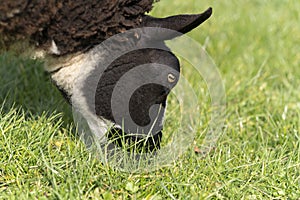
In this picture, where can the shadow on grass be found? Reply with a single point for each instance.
(25, 84)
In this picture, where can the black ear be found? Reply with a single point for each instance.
(178, 23)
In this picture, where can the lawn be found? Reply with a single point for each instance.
(256, 48)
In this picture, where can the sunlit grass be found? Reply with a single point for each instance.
(255, 45)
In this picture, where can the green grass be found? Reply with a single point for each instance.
(255, 45)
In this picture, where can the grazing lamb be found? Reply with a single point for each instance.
(70, 35)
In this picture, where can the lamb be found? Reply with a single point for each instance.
(71, 36)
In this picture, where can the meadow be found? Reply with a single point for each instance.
(256, 48)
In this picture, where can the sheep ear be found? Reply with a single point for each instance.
(179, 23)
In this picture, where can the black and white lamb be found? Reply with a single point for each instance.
(71, 36)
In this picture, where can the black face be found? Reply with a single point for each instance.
(133, 90)
(148, 93)
(159, 64)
